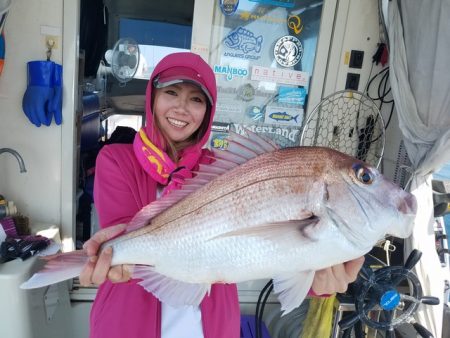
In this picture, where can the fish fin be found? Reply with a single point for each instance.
(296, 117)
(240, 150)
(58, 268)
(292, 289)
(277, 229)
(168, 290)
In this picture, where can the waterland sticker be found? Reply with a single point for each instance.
(284, 136)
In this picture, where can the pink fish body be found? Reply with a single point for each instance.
(259, 212)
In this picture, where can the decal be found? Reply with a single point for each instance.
(246, 92)
(284, 115)
(295, 23)
(284, 136)
(219, 140)
(288, 51)
(234, 91)
(261, 17)
(220, 127)
(292, 95)
(255, 113)
(242, 39)
(228, 7)
(230, 72)
(277, 75)
(228, 108)
(279, 3)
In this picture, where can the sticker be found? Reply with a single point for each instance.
(246, 92)
(244, 40)
(284, 136)
(261, 17)
(220, 127)
(229, 108)
(288, 51)
(295, 24)
(279, 3)
(292, 95)
(230, 72)
(219, 140)
(228, 7)
(284, 115)
(255, 113)
(277, 75)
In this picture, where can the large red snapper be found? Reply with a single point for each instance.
(256, 212)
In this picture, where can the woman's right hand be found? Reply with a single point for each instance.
(98, 268)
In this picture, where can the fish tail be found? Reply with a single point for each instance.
(58, 268)
(296, 117)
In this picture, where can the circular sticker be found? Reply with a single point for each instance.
(246, 92)
(288, 51)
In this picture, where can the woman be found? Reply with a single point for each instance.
(180, 106)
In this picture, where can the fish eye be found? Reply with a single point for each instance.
(363, 174)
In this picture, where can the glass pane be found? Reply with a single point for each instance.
(263, 53)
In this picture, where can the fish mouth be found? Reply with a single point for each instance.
(408, 205)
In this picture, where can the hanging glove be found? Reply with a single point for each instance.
(36, 100)
(55, 104)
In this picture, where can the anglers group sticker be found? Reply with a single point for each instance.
(245, 42)
(288, 51)
(228, 7)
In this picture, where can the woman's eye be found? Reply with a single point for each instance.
(197, 99)
(363, 174)
(171, 92)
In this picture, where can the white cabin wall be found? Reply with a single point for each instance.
(37, 193)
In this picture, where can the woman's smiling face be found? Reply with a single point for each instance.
(179, 110)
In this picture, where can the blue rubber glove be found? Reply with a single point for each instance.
(35, 102)
(55, 104)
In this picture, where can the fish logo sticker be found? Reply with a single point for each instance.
(244, 40)
(284, 115)
(288, 51)
(228, 7)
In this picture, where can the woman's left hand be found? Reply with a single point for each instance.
(336, 278)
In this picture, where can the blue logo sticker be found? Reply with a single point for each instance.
(230, 72)
(255, 113)
(279, 3)
(390, 300)
(228, 7)
(244, 40)
(292, 95)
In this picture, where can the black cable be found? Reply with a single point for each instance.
(259, 312)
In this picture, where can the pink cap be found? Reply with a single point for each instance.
(175, 75)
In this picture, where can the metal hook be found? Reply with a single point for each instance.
(50, 45)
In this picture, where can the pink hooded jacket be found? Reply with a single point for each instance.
(122, 187)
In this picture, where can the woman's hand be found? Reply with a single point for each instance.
(336, 278)
(98, 268)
